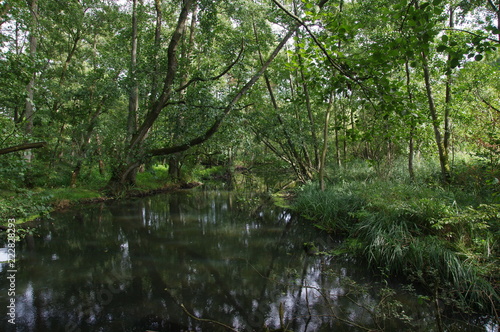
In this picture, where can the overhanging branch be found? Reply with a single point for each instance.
(21, 147)
(216, 125)
(215, 78)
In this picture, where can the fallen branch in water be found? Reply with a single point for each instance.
(207, 320)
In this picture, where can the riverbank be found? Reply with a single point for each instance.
(27, 205)
(443, 238)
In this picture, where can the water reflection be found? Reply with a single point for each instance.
(148, 264)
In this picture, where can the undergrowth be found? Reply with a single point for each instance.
(441, 236)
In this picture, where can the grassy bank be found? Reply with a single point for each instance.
(25, 205)
(444, 238)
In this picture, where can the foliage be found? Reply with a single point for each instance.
(23, 205)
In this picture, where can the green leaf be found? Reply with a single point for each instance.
(478, 57)
(441, 48)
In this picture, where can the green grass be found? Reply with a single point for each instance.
(156, 177)
(445, 235)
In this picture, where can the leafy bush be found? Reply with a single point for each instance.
(23, 204)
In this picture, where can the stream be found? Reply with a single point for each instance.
(199, 261)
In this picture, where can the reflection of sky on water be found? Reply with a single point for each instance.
(4, 256)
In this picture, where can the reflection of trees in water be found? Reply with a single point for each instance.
(130, 265)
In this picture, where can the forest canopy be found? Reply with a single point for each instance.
(113, 85)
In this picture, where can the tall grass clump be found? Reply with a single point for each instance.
(332, 209)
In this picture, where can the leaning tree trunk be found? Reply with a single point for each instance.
(175, 161)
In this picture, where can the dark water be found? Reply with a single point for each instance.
(173, 262)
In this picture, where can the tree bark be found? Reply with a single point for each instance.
(123, 172)
(134, 155)
(157, 45)
(447, 102)
(175, 161)
(295, 160)
(163, 99)
(310, 115)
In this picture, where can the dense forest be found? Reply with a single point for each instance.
(380, 117)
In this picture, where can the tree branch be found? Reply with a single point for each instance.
(472, 33)
(216, 125)
(3, 12)
(207, 320)
(493, 6)
(334, 64)
(488, 103)
(201, 79)
(21, 147)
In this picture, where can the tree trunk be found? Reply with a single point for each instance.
(496, 10)
(310, 116)
(157, 45)
(443, 153)
(447, 105)
(29, 108)
(322, 164)
(171, 73)
(121, 171)
(174, 163)
(295, 160)
(337, 141)
(411, 148)
(133, 104)
(82, 153)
